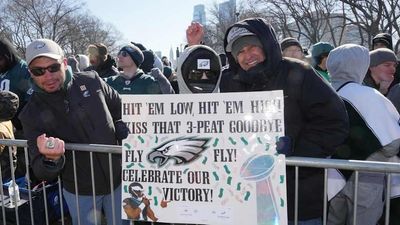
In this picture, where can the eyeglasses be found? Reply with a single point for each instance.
(39, 71)
(123, 53)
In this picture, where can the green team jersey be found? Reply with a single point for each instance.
(17, 80)
(324, 74)
(139, 84)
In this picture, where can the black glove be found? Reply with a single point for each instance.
(284, 146)
(121, 130)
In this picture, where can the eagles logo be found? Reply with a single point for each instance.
(182, 150)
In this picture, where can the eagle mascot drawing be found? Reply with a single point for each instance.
(182, 150)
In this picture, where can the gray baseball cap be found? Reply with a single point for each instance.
(43, 47)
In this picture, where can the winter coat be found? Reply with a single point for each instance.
(86, 110)
(315, 117)
(105, 69)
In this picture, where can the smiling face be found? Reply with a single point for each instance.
(249, 56)
(49, 81)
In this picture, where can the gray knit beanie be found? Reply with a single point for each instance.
(289, 41)
(381, 55)
(244, 41)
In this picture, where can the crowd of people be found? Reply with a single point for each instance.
(339, 103)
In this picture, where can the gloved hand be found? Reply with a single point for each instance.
(284, 146)
(121, 130)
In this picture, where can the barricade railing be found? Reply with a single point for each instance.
(296, 162)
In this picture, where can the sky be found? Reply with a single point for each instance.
(157, 24)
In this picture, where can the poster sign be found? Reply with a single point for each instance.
(204, 158)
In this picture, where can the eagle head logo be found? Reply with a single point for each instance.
(182, 150)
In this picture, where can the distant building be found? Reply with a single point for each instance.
(342, 34)
(227, 11)
(172, 57)
(199, 14)
(158, 53)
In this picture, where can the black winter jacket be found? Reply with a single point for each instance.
(315, 116)
(84, 111)
(105, 69)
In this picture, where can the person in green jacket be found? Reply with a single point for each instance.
(15, 77)
(319, 55)
(132, 80)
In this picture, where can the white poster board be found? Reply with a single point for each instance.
(204, 158)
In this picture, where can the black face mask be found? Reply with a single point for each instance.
(201, 81)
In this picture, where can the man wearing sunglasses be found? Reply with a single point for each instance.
(73, 108)
(132, 80)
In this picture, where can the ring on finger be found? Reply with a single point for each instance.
(50, 144)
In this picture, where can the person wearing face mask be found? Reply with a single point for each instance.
(316, 122)
(199, 70)
(132, 80)
(199, 67)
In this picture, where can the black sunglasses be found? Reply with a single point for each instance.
(123, 53)
(39, 71)
(197, 75)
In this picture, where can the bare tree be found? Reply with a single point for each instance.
(222, 19)
(375, 16)
(325, 20)
(309, 21)
(64, 21)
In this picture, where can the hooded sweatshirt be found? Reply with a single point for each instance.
(373, 118)
(315, 117)
(188, 55)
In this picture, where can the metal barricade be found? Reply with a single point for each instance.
(297, 162)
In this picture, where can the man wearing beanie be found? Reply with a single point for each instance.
(291, 48)
(315, 117)
(319, 55)
(132, 80)
(382, 40)
(101, 61)
(149, 66)
(75, 108)
(381, 69)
